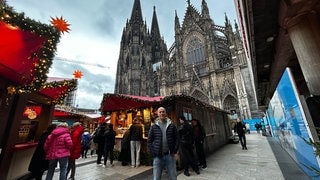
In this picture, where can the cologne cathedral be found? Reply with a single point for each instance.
(206, 61)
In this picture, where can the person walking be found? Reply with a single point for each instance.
(57, 148)
(125, 153)
(93, 145)
(110, 141)
(163, 145)
(199, 135)
(186, 141)
(85, 143)
(99, 139)
(240, 129)
(136, 137)
(38, 163)
(75, 152)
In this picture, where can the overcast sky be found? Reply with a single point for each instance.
(96, 29)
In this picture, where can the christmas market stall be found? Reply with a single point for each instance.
(123, 108)
(27, 100)
(87, 117)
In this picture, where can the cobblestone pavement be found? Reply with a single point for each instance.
(228, 163)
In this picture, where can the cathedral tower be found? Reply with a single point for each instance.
(141, 54)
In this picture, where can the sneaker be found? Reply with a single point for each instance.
(204, 167)
(133, 166)
(186, 173)
(104, 166)
(111, 165)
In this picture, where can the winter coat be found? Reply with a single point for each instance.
(155, 138)
(38, 163)
(136, 132)
(125, 141)
(86, 140)
(109, 137)
(58, 144)
(199, 133)
(240, 128)
(185, 134)
(76, 135)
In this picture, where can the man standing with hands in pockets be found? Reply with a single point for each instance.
(163, 145)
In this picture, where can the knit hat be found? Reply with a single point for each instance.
(63, 124)
(76, 124)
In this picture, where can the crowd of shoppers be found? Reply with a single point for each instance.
(64, 145)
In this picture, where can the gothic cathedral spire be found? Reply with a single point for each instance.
(136, 14)
(155, 32)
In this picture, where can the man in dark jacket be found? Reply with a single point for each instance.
(163, 145)
(99, 139)
(186, 141)
(109, 142)
(240, 129)
(136, 137)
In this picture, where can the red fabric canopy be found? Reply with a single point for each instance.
(114, 102)
(58, 88)
(17, 48)
(54, 92)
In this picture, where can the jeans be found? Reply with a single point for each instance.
(108, 150)
(71, 167)
(135, 147)
(168, 162)
(242, 138)
(200, 153)
(63, 163)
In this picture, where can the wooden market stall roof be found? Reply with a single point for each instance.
(114, 102)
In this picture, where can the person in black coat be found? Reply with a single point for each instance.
(99, 139)
(38, 163)
(186, 141)
(240, 129)
(125, 154)
(109, 142)
(199, 135)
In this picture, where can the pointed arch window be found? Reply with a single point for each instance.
(196, 54)
(230, 103)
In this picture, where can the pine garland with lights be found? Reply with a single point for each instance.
(47, 52)
(71, 85)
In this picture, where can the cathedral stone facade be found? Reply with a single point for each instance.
(206, 61)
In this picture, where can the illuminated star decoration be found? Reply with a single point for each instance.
(60, 23)
(77, 74)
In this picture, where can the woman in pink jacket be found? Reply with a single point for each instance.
(57, 148)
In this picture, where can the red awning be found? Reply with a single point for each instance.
(17, 48)
(64, 114)
(114, 102)
(58, 88)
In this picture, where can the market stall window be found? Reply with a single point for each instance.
(29, 123)
(187, 113)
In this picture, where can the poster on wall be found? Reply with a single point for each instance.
(288, 123)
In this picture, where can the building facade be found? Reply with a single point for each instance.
(206, 61)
